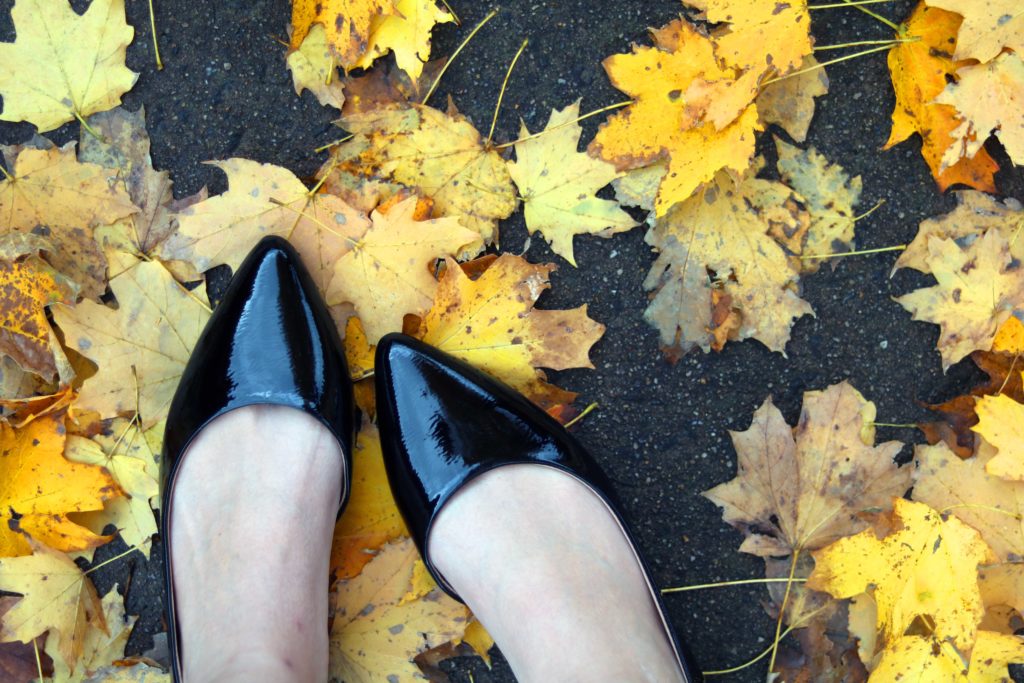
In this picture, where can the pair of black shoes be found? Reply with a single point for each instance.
(272, 341)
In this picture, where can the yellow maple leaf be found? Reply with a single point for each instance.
(63, 65)
(387, 273)
(639, 186)
(802, 488)
(989, 99)
(440, 155)
(406, 32)
(1010, 337)
(371, 518)
(491, 323)
(659, 124)
(263, 199)
(789, 103)
(557, 185)
(100, 646)
(346, 23)
(375, 636)
(988, 27)
(65, 603)
(978, 289)
(141, 347)
(39, 487)
(926, 567)
(315, 68)
(1001, 423)
(928, 660)
(920, 66)
(723, 230)
(51, 188)
(965, 489)
(1002, 586)
(757, 35)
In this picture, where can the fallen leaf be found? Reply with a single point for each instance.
(100, 646)
(991, 655)
(65, 603)
(659, 125)
(830, 195)
(346, 23)
(406, 32)
(789, 103)
(761, 36)
(315, 68)
(491, 323)
(141, 347)
(988, 27)
(1010, 337)
(18, 660)
(558, 185)
(480, 640)
(374, 636)
(39, 487)
(1003, 585)
(718, 239)
(927, 567)
(387, 273)
(978, 288)
(54, 195)
(1000, 421)
(920, 67)
(963, 488)
(63, 65)
(136, 673)
(371, 519)
(802, 488)
(989, 98)
(639, 186)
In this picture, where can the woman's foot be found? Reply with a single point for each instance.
(545, 566)
(255, 503)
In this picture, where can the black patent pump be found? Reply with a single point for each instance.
(270, 341)
(443, 423)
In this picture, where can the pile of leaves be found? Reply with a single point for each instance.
(103, 295)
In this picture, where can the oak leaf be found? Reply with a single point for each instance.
(718, 240)
(375, 636)
(371, 518)
(764, 37)
(789, 103)
(387, 272)
(988, 27)
(920, 66)
(963, 487)
(978, 288)
(926, 567)
(659, 124)
(65, 603)
(346, 23)
(558, 185)
(406, 32)
(1000, 423)
(39, 487)
(491, 323)
(54, 195)
(315, 68)
(989, 98)
(263, 199)
(804, 487)
(439, 155)
(141, 347)
(63, 65)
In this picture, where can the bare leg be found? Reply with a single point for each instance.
(254, 510)
(545, 567)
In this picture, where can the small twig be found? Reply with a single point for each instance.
(860, 252)
(501, 93)
(156, 47)
(822, 65)
(586, 411)
(617, 105)
(493, 13)
(337, 142)
(724, 584)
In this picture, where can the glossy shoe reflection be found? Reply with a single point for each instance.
(271, 341)
(443, 424)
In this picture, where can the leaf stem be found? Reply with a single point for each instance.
(501, 93)
(782, 610)
(617, 105)
(980, 506)
(39, 663)
(131, 550)
(859, 252)
(7, 175)
(856, 43)
(156, 47)
(493, 13)
(458, 22)
(586, 411)
(848, 3)
(724, 584)
(906, 425)
(874, 15)
(337, 142)
(749, 662)
(822, 65)
(870, 211)
(88, 129)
